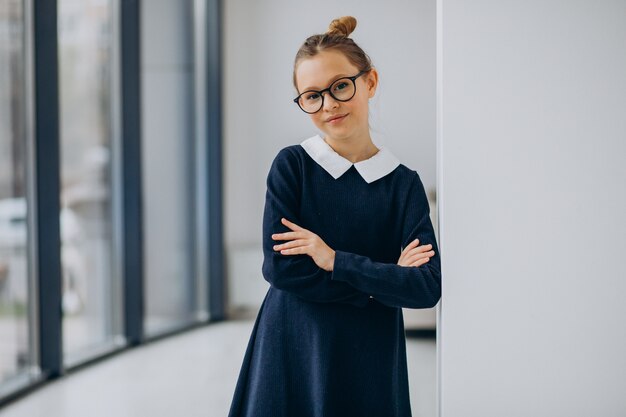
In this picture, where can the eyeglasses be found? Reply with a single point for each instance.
(343, 89)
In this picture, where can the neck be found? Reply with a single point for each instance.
(354, 149)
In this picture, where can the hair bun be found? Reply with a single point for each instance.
(342, 26)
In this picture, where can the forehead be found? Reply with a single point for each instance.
(319, 71)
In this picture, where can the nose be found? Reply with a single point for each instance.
(329, 101)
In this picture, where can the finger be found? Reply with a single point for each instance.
(287, 235)
(420, 262)
(291, 225)
(420, 255)
(429, 253)
(290, 244)
(421, 249)
(407, 251)
(411, 245)
(417, 256)
(295, 250)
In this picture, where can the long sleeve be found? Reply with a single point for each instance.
(392, 284)
(297, 274)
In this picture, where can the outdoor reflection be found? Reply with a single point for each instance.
(14, 325)
(86, 136)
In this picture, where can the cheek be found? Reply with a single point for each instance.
(316, 118)
(360, 106)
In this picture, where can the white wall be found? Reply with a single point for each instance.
(532, 172)
(261, 41)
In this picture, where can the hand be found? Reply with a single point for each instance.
(416, 256)
(306, 242)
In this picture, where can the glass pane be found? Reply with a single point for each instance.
(15, 352)
(86, 120)
(167, 162)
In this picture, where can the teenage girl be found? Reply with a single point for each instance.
(347, 242)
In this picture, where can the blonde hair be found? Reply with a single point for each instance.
(335, 38)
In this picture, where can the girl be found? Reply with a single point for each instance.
(347, 242)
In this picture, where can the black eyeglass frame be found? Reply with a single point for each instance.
(320, 92)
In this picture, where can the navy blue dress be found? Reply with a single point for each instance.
(332, 343)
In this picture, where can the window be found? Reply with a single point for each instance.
(17, 354)
(91, 281)
(167, 79)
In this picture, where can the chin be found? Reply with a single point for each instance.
(339, 134)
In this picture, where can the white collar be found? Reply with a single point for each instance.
(377, 166)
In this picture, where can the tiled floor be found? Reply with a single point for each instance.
(190, 375)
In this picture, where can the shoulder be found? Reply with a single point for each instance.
(291, 157)
(288, 154)
(286, 159)
(408, 176)
(413, 190)
(415, 197)
(286, 166)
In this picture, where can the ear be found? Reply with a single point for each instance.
(372, 82)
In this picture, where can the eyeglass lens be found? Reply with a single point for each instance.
(342, 90)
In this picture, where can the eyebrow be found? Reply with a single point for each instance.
(338, 76)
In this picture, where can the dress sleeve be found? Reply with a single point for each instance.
(297, 274)
(392, 284)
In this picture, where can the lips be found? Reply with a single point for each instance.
(339, 116)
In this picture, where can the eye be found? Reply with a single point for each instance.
(341, 85)
(311, 96)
